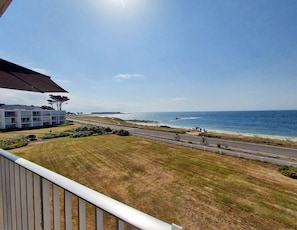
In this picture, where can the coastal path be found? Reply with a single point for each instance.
(262, 152)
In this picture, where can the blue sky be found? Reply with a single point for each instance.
(156, 55)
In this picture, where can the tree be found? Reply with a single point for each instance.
(51, 102)
(46, 107)
(57, 100)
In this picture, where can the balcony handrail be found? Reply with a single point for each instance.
(117, 209)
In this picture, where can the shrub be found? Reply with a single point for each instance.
(75, 135)
(81, 134)
(82, 129)
(92, 130)
(12, 143)
(64, 134)
(108, 130)
(225, 146)
(49, 135)
(31, 137)
(95, 129)
(288, 171)
(123, 132)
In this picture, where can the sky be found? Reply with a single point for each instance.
(156, 55)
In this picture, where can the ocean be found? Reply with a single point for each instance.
(275, 124)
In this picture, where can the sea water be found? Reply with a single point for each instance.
(281, 124)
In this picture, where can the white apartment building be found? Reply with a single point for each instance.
(21, 116)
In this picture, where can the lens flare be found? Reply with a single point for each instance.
(123, 4)
(120, 7)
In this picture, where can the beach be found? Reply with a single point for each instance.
(144, 122)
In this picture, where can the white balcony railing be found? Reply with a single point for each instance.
(30, 199)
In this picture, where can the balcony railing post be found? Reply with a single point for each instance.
(81, 214)
(6, 196)
(46, 210)
(37, 201)
(68, 210)
(1, 193)
(120, 225)
(24, 203)
(17, 193)
(13, 192)
(56, 204)
(30, 210)
(99, 219)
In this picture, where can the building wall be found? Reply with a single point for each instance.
(20, 118)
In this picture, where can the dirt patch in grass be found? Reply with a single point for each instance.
(192, 188)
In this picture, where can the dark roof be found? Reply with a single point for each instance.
(25, 107)
(13, 76)
(3, 6)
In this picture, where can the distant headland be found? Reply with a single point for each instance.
(106, 113)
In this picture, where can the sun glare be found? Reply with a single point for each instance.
(123, 3)
(116, 3)
(133, 6)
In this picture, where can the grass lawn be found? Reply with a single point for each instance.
(189, 187)
(38, 132)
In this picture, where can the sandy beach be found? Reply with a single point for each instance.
(143, 122)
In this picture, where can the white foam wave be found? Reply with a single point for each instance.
(185, 118)
(255, 135)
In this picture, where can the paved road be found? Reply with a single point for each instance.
(260, 149)
(238, 146)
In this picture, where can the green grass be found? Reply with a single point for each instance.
(38, 132)
(192, 188)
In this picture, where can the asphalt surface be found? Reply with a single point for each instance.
(245, 147)
(236, 146)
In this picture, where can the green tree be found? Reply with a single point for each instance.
(57, 100)
(51, 102)
(46, 107)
